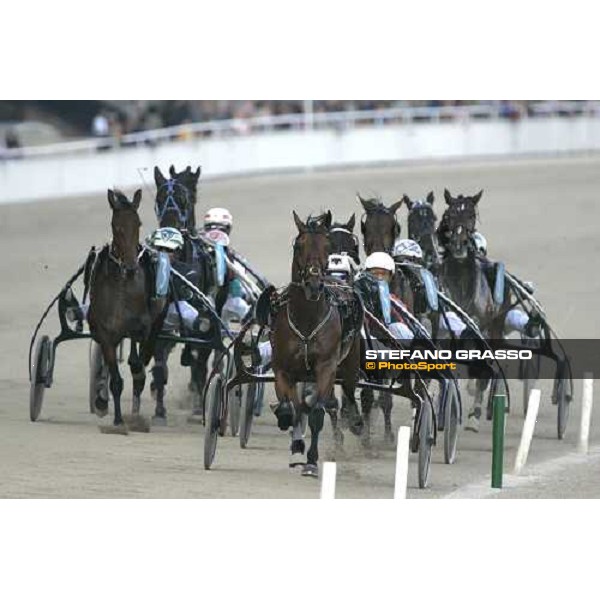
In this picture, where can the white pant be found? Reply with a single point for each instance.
(455, 325)
(188, 313)
(516, 320)
(400, 331)
(237, 307)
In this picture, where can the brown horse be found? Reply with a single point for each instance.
(120, 306)
(315, 336)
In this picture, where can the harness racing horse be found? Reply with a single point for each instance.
(174, 207)
(315, 335)
(422, 229)
(343, 240)
(121, 285)
(462, 276)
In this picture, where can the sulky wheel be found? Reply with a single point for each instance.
(213, 401)
(563, 394)
(98, 376)
(247, 412)
(40, 372)
(425, 435)
(451, 422)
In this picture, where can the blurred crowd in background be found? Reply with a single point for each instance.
(61, 120)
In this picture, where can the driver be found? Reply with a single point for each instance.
(221, 220)
(516, 319)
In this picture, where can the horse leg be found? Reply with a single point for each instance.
(367, 399)
(386, 407)
(199, 371)
(288, 404)
(116, 388)
(138, 374)
(298, 446)
(325, 379)
(475, 414)
(160, 377)
(331, 407)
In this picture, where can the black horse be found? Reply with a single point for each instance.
(343, 240)
(174, 207)
(121, 284)
(463, 277)
(315, 336)
(422, 229)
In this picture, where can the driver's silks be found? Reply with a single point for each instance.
(384, 299)
(221, 264)
(163, 273)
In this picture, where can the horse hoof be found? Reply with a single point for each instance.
(389, 440)
(297, 460)
(138, 423)
(472, 424)
(309, 470)
(285, 416)
(120, 429)
(357, 427)
(338, 437)
(159, 421)
(101, 407)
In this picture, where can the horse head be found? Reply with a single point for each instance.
(312, 247)
(379, 225)
(174, 204)
(125, 228)
(458, 223)
(343, 239)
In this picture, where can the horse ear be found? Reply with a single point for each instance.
(407, 201)
(137, 198)
(159, 178)
(196, 175)
(351, 223)
(447, 197)
(394, 207)
(365, 203)
(328, 219)
(477, 197)
(299, 224)
(430, 198)
(172, 171)
(112, 201)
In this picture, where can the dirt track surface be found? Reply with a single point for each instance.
(541, 217)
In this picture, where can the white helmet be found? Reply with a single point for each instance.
(340, 263)
(480, 242)
(380, 260)
(218, 217)
(166, 238)
(407, 249)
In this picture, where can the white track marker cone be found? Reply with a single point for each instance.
(402, 452)
(528, 427)
(586, 413)
(328, 481)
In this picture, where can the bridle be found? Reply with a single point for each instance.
(171, 203)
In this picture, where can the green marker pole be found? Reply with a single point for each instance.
(499, 403)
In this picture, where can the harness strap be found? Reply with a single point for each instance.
(306, 339)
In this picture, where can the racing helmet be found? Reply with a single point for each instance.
(218, 218)
(480, 242)
(340, 266)
(407, 249)
(380, 260)
(166, 238)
